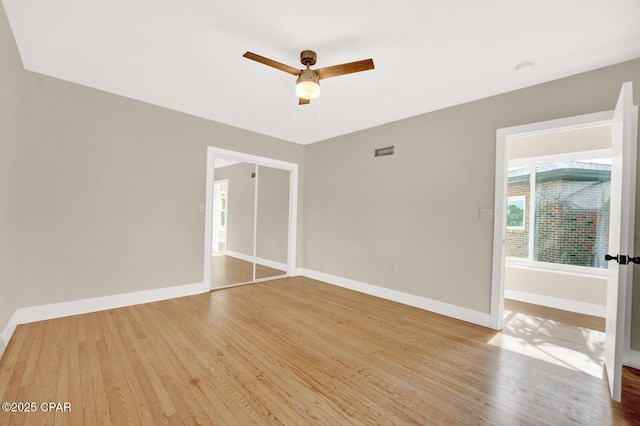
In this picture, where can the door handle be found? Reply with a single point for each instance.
(623, 259)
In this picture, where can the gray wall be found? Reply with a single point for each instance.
(420, 207)
(11, 107)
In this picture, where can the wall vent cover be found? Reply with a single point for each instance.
(380, 152)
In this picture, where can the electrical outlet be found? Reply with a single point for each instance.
(394, 266)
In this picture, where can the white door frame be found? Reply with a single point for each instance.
(212, 154)
(501, 181)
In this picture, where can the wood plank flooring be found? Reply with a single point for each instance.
(293, 351)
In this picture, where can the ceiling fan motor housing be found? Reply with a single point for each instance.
(308, 57)
(308, 75)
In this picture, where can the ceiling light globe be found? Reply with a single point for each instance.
(308, 90)
(308, 85)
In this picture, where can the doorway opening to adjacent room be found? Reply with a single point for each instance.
(621, 124)
(557, 226)
(558, 199)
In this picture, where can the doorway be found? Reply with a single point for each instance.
(250, 218)
(558, 198)
(623, 121)
(556, 225)
(504, 136)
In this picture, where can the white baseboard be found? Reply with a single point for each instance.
(260, 261)
(453, 311)
(76, 307)
(557, 303)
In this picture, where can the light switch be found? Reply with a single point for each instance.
(201, 207)
(486, 214)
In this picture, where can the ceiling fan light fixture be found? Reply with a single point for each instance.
(308, 80)
(308, 85)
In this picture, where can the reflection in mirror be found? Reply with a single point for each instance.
(272, 224)
(233, 223)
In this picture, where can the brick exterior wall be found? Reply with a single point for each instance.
(572, 222)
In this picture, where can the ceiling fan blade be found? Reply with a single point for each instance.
(303, 101)
(272, 63)
(351, 67)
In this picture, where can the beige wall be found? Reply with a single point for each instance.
(562, 142)
(572, 287)
(11, 106)
(111, 191)
(420, 207)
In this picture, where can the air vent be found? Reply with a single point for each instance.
(384, 151)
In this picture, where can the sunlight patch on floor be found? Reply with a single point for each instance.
(575, 348)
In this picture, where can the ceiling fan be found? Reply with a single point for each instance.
(308, 82)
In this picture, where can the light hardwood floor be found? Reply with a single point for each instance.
(297, 351)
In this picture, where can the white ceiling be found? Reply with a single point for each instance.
(187, 55)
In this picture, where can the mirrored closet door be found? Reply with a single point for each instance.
(272, 222)
(250, 222)
(232, 260)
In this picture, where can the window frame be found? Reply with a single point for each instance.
(532, 162)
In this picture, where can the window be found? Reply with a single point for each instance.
(515, 212)
(569, 211)
(518, 233)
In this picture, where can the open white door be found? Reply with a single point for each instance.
(623, 175)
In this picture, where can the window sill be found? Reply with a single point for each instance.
(557, 268)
